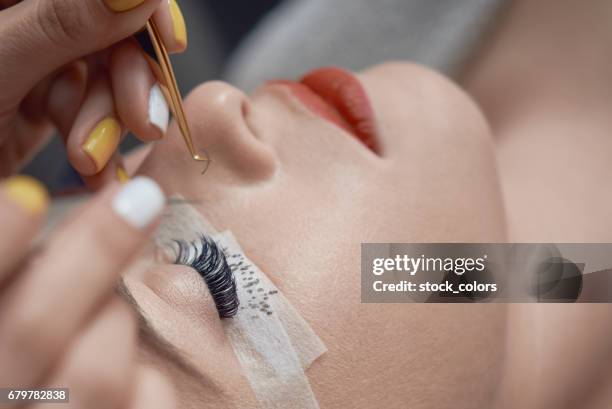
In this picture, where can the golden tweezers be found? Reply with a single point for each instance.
(176, 102)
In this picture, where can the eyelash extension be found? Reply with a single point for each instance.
(209, 260)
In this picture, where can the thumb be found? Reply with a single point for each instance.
(39, 36)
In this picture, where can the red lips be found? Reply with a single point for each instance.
(337, 96)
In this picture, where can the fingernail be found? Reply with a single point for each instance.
(178, 23)
(159, 113)
(139, 202)
(123, 5)
(28, 193)
(103, 141)
(122, 175)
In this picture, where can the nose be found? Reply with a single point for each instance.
(218, 116)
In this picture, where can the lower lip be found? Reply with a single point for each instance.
(337, 96)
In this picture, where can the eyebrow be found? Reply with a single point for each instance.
(150, 337)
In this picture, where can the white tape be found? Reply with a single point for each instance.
(268, 355)
(272, 341)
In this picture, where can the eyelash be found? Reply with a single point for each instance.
(209, 260)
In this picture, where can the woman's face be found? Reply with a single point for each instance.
(300, 193)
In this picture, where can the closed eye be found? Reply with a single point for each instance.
(208, 259)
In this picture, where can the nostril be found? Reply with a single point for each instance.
(245, 110)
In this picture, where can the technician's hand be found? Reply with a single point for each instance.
(61, 322)
(63, 64)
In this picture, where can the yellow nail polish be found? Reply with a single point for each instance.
(178, 23)
(103, 141)
(123, 5)
(122, 175)
(28, 193)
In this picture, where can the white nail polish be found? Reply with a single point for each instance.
(159, 113)
(139, 202)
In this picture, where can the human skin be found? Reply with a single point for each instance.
(543, 80)
(56, 316)
(70, 67)
(301, 195)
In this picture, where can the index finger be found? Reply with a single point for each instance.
(72, 276)
(171, 24)
(23, 203)
(40, 36)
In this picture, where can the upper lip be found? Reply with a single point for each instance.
(337, 96)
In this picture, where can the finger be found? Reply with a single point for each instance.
(77, 269)
(26, 138)
(97, 132)
(140, 102)
(172, 27)
(114, 171)
(23, 202)
(152, 391)
(32, 107)
(43, 35)
(94, 382)
(66, 95)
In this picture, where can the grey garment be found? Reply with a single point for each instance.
(354, 34)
